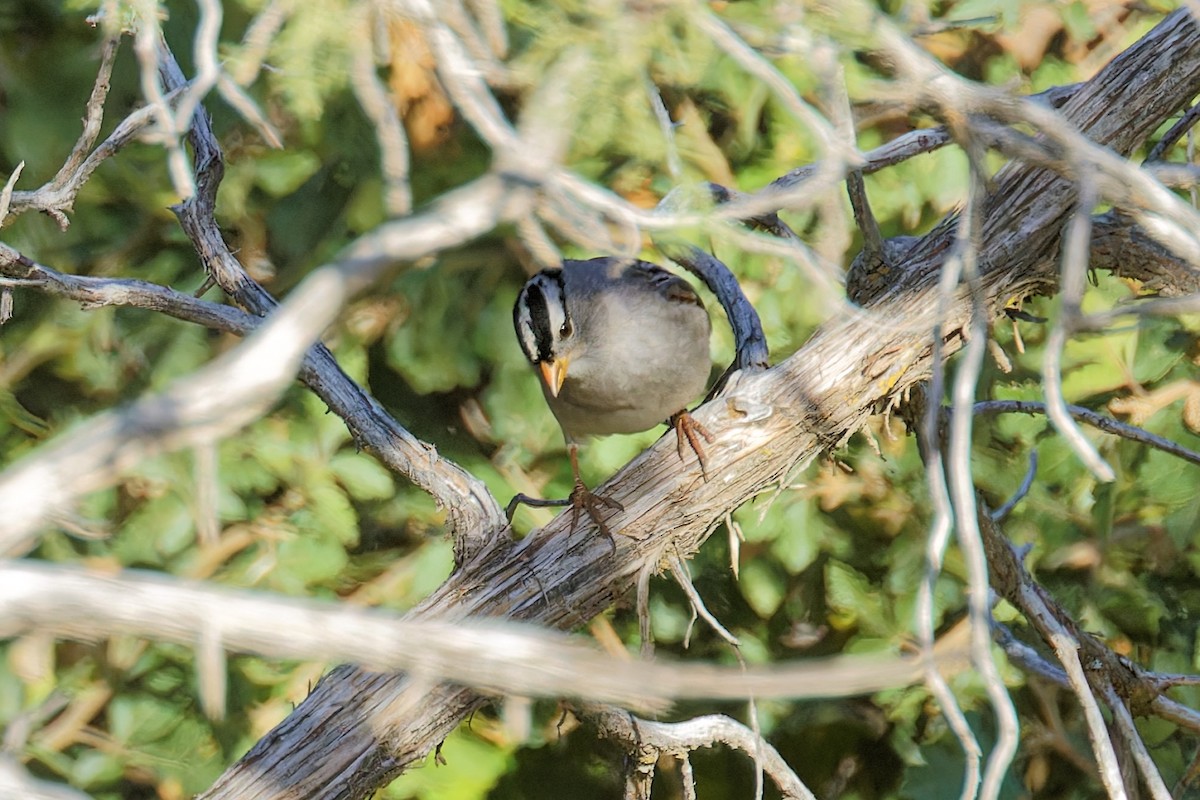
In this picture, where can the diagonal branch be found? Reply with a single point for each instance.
(475, 518)
(767, 424)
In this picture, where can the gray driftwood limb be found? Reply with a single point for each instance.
(474, 516)
(357, 729)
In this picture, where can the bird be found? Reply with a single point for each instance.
(619, 345)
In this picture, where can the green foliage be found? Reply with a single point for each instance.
(472, 767)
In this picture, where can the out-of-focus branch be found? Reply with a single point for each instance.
(379, 106)
(16, 782)
(475, 517)
(491, 656)
(232, 391)
(951, 479)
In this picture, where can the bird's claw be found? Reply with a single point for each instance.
(688, 429)
(584, 499)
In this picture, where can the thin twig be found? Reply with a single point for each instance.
(1123, 721)
(476, 519)
(208, 70)
(962, 494)
(680, 572)
(942, 525)
(839, 154)
(1096, 420)
(1067, 650)
(693, 734)
(1176, 132)
(147, 41)
(1074, 278)
(1003, 511)
(1105, 670)
(7, 193)
(381, 110)
(643, 609)
(666, 128)
(260, 33)
(56, 198)
(242, 103)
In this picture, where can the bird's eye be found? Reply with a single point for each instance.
(565, 330)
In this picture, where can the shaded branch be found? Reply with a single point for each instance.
(1098, 421)
(1090, 668)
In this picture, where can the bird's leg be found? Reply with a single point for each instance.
(584, 499)
(688, 429)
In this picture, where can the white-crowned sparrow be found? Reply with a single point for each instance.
(620, 345)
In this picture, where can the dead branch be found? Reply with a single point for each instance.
(217, 400)
(1090, 668)
(765, 425)
(474, 515)
(647, 740)
(493, 656)
(1098, 421)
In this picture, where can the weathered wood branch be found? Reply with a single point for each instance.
(359, 729)
(474, 515)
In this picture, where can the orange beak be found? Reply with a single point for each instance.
(554, 373)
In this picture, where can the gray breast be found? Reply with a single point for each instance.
(652, 361)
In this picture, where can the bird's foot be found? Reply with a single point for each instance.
(688, 429)
(584, 499)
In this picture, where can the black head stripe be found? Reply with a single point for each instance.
(532, 315)
(539, 322)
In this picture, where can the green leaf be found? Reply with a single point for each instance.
(852, 600)
(283, 172)
(763, 587)
(95, 769)
(160, 528)
(798, 542)
(472, 768)
(306, 559)
(363, 476)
